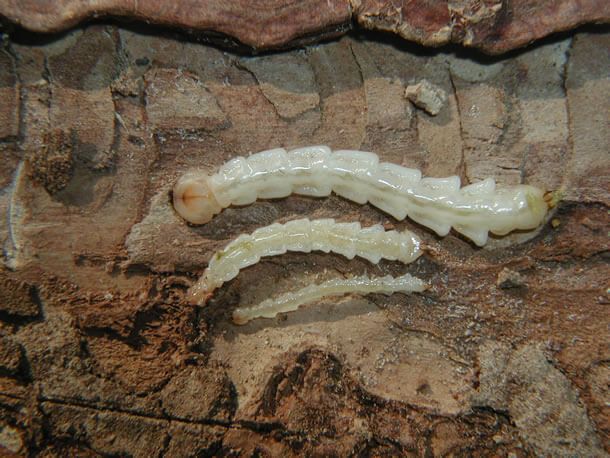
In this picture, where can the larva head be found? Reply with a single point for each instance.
(194, 200)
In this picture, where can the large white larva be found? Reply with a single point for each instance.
(348, 239)
(437, 203)
(291, 301)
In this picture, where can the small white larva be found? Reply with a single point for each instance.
(291, 301)
(437, 203)
(348, 239)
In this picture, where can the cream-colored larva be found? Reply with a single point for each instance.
(437, 203)
(291, 301)
(348, 239)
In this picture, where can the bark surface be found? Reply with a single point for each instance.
(493, 26)
(100, 355)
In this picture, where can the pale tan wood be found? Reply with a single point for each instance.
(101, 354)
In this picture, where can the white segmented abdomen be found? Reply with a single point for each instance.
(227, 184)
(349, 171)
(440, 187)
(347, 239)
(291, 301)
(437, 203)
(309, 170)
(481, 188)
(268, 177)
(298, 235)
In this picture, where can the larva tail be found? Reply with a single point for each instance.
(200, 293)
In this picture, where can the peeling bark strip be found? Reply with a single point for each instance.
(258, 23)
(494, 27)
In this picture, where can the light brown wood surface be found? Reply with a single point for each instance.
(101, 355)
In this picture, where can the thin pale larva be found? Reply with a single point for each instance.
(347, 239)
(437, 203)
(291, 301)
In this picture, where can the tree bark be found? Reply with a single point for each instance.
(100, 353)
(493, 26)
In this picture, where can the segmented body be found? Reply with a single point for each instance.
(347, 239)
(437, 203)
(291, 301)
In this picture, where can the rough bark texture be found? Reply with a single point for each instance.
(494, 26)
(506, 355)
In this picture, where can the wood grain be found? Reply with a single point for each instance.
(100, 354)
